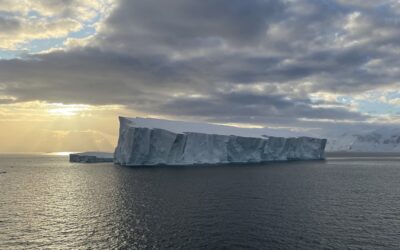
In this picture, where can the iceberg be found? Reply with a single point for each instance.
(91, 157)
(142, 142)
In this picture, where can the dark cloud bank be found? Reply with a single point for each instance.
(253, 61)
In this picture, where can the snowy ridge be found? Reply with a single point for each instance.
(138, 145)
(378, 140)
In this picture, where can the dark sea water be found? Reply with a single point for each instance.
(342, 203)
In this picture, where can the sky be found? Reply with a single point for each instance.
(68, 68)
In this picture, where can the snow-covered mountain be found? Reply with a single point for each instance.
(378, 140)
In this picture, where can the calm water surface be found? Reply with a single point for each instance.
(342, 203)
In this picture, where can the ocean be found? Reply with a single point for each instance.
(345, 202)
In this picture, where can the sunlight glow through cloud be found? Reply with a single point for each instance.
(68, 109)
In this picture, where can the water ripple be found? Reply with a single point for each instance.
(48, 203)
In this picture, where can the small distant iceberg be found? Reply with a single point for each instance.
(147, 142)
(91, 157)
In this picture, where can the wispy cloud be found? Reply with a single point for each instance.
(24, 21)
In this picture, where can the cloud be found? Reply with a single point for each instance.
(24, 21)
(82, 9)
(256, 108)
(139, 25)
(15, 31)
(220, 60)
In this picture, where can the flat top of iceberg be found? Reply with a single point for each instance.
(207, 128)
(96, 154)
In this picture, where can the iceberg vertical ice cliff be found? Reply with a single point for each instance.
(139, 145)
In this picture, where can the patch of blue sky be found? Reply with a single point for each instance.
(393, 95)
(345, 99)
(33, 14)
(85, 32)
(41, 45)
(9, 54)
(377, 107)
(374, 105)
(33, 47)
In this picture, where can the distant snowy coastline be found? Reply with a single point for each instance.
(382, 140)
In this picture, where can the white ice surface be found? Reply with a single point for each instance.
(153, 142)
(97, 154)
(207, 128)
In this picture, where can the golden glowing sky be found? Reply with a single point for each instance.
(54, 127)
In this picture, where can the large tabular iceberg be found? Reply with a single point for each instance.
(141, 143)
